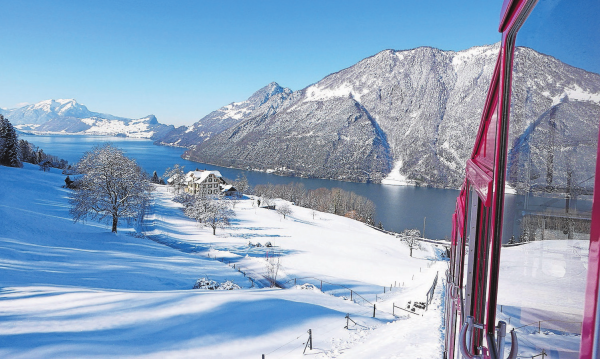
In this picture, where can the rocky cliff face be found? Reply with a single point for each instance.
(411, 114)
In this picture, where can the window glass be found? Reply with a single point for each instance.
(555, 112)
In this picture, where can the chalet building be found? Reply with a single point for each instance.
(207, 182)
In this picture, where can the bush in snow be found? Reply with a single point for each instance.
(228, 285)
(45, 165)
(268, 244)
(205, 283)
(184, 198)
(308, 286)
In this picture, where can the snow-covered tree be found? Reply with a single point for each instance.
(112, 187)
(411, 238)
(175, 177)
(210, 212)
(9, 144)
(45, 165)
(241, 184)
(284, 210)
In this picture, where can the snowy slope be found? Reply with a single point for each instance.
(73, 290)
(67, 116)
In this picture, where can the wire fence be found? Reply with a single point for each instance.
(335, 289)
(431, 290)
(557, 325)
(302, 340)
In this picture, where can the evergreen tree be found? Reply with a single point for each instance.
(9, 144)
(155, 178)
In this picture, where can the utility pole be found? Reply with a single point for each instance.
(424, 218)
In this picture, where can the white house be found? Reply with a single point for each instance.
(207, 182)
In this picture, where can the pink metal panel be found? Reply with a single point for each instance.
(588, 331)
(454, 229)
(482, 182)
(505, 14)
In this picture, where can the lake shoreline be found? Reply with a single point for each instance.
(397, 207)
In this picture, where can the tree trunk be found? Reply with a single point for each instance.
(114, 223)
(214, 229)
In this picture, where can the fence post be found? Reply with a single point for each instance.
(383, 290)
(308, 342)
(294, 281)
(263, 356)
(321, 286)
(394, 309)
(351, 294)
(373, 310)
(539, 327)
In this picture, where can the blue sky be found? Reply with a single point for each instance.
(179, 61)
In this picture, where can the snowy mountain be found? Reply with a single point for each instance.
(223, 118)
(396, 117)
(68, 116)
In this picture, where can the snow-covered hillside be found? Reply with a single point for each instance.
(398, 117)
(225, 117)
(74, 290)
(67, 116)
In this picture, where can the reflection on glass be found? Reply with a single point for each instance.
(555, 112)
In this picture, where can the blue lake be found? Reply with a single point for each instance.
(398, 207)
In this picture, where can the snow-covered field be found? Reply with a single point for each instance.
(72, 290)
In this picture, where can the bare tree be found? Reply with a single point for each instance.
(267, 200)
(234, 201)
(210, 212)
(272, 268)
(113, 186)
(284, 210)
(411, 238)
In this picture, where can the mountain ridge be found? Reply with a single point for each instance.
(426, 101)
(67, 116)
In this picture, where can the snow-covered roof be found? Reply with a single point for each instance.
(200, 176)
(172, 179)
(227, 187)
